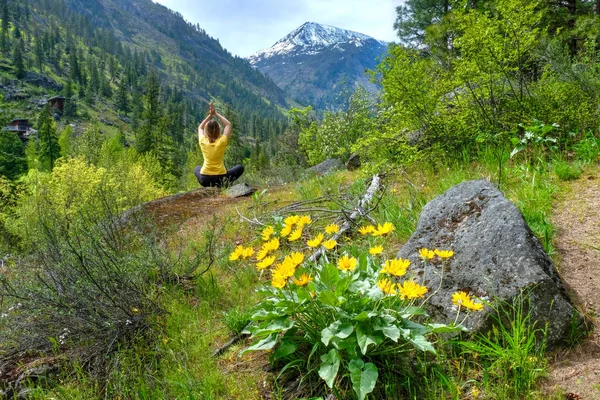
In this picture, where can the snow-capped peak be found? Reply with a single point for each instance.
(309, 39)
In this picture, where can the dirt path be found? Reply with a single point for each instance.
(577, 222)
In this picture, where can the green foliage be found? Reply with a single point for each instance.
(336, 135)
(588, 149)
(49, 149)
(12, 155)
(341, 325)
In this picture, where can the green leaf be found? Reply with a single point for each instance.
(363, 316)
(265, 344)
(365, 340)
(391, 331)
(422, 344)
(329, 298)
(329, 367)
(363, 377)
(285, 349)
(329, 275)
(412, 310)
(336, 329)
(443, 328)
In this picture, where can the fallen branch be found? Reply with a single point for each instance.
(227, 345)
(359, 211)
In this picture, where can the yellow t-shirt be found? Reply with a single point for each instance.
(213, 155)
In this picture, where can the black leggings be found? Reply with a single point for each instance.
(219, 180)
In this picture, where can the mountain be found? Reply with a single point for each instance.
(316, 63)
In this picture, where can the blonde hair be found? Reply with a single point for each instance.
(213, 130)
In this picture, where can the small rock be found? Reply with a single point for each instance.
(353, 162)
(240, 190)
(327, 166)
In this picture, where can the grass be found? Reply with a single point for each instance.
(179, 364)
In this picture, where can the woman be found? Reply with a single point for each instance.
(213, 145)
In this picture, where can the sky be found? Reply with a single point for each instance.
(246, 26)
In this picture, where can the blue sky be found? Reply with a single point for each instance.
(245, 27)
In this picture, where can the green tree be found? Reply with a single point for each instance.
(12, 155)
(65, 141)
(48, 138)
(5, 27)
(18, 61)
(70, 110)
(39, 54)
(123, 97)
(146, 135)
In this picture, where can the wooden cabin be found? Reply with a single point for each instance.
(21, 127)
(57, 103)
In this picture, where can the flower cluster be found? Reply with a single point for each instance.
(241, 252)
(462, 299)
(408, 289)
(427, 254)
(381, 230)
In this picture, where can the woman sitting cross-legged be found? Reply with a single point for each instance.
(213, 145)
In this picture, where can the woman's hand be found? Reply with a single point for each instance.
(212, 109)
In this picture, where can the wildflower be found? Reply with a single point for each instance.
(411, 290)
(285, 269)
(365, 230)
(396, 267)
(295, 235)
(462, 299)
(444, 253)
(329, 244)
(287, 228)
(272, 244)
(267, 262)
(291, 220)
(267, 232)
(247, 252)
(332, 228)
(237, 253)
(387, 286)
(347, 263)
(296, 258)
(304, 220)
(475, 392)
(262, 253)
(383, 230)
(278, 282)
(426, 254)
(316, 241)
(303, 280)
(376, 250)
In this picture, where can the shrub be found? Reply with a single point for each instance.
(588, 149)
(337, 317)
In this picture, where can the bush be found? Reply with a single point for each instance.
(588, 149)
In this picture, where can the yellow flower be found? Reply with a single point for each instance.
(376, 250)
(296, 258)
(303, 280)
(332, 228)
(316, 241)
(365, 230)
(383, 229)
(237, 253)
(267, 232)
(287, 228)
(291, 220)
(272, 244)
(267, 262)
(475, 392)
(347, 263)
(285, 269)
(444, 253)
(304, 220)
(396, 267)
(462, 299)
(426, 254)
(329, 244)
(278, 282)
(295, 235)
(387, 286)
(248, 252)
(262, 253)
(410, 290)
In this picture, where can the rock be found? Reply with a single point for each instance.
(125, 119)
(327, 166)
(353, 162)
(496, 257)
(240, 190)
(42, 81)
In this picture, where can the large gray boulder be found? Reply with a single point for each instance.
(240, 190)
(496, 257)
(327, 166)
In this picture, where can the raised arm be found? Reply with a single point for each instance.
(202, 125)
(226, 124)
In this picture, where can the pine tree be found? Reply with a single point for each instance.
(146, 136)
(70, 110)
(12, 155)
(49, 147)
(123, 97)
(4, 34)
(39, 55)
(18, 62)
(65, 141)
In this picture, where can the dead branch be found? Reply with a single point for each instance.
(359, 211)
(254, 221)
